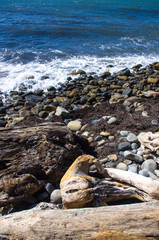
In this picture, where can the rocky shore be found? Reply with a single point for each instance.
(115, 116)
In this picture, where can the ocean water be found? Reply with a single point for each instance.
(53, 37)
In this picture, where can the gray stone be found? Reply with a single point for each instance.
(134, 146)
(154, 122)
(132, 138)
(124, 133)
(109, 164)
(144, 172)
(149, 164)
(127, 91)
(112, 120)
(124, 146)
(98, 138)
(2, 123)
(122, 139)
(122, 166)
(56, 196)
(132, 168)
(60, 111)
(49, 187)
(111, 138)
(134, 157)
(127, 162)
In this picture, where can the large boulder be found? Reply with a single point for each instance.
(30, 157)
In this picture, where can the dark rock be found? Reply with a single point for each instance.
(2, 123)
(124, 146)
(127, 91)
(33, 98)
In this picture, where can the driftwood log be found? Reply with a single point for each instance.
(126, 222)
(79, 189)
(33, 156)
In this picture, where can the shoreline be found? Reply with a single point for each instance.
(108, 112)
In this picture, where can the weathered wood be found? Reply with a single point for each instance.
(33, 156)
(130, 222)
(79, 189)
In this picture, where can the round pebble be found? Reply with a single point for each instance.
(98, 138)
(132, 168)
(149, 164)
(134, 146)
(154, 122)
(95, 122)
(49, 188)
(122, 166)
(124, 133)
(132, 138)
(144, 172)
(74, 125)
(124, 146)
(55, 196)
(112, 120)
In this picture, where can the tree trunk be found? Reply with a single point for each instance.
(131, 222)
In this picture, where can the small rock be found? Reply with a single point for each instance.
(105, 134)
(60, 111)
(124, 146)
(100, 143)
(2, 123)
(111, 138)
(124, 133)
(74, 125)
(127, 162)
(95, 122)
(112, 120)
(144, 172)
(134, 146)
(56, 196)
(112, 157)
(149, 164)
(49, 188)
(132, 168)
(132, 138)
(85, 134)
(134, 157)
(154, 122)
(122, 166)
(98, 138)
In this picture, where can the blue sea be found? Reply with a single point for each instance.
(53, 37)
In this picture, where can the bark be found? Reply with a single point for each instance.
(131, 222)
(33, 156)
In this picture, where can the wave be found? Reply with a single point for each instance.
(40, 75)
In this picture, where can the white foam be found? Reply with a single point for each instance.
(12, 75)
